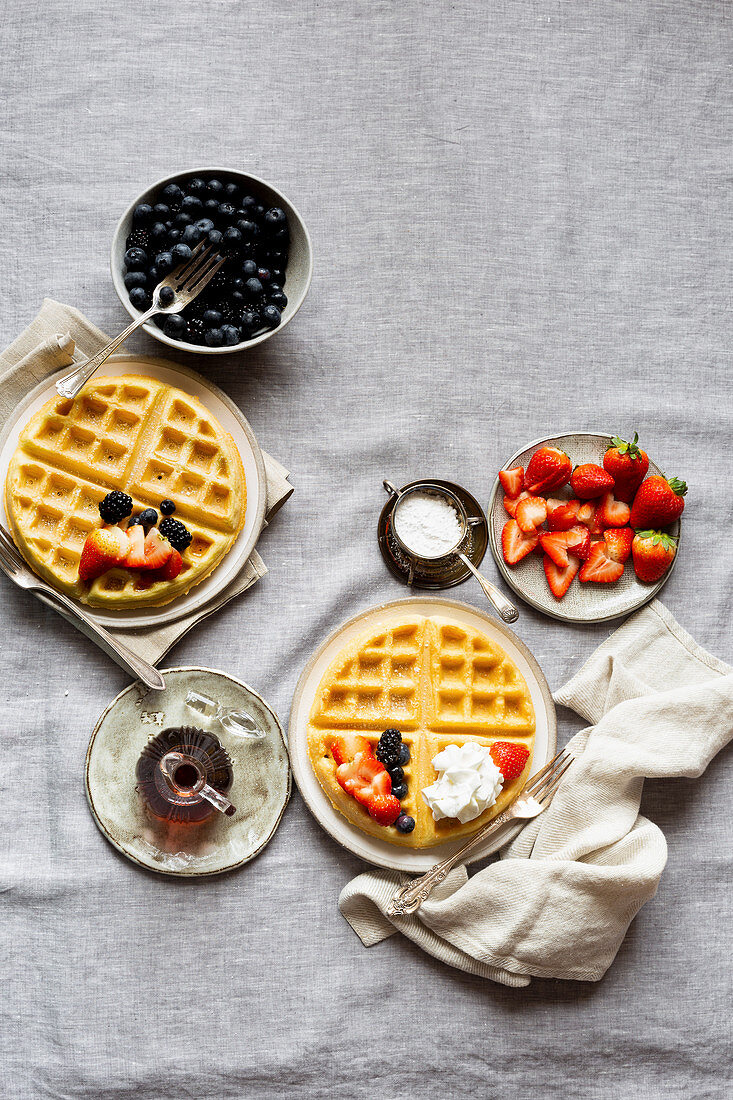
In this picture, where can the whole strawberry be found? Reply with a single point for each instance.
(653, 552)
(627, 464)
(590, 480)
(548, 468)
(658, 502)
(510, 758)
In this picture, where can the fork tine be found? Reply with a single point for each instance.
(179, 274)
(550, 779)
(546, 772)
(201, 254)
(550, 791)
(6, 562)
(8, 546)
(200, 280)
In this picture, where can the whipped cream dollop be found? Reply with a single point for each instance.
(468, 782)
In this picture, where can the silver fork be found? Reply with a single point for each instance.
(15, 568)
(534, 797)
(186, 281)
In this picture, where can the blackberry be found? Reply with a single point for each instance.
(139, 238)
(388, 749)
(219, 282)
(230, 314)
(178, 536)
(115, 506)
(197, 329)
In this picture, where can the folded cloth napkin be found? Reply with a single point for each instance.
(58, 337)
(559, 902)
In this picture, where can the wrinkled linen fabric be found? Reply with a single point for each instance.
(559, 902)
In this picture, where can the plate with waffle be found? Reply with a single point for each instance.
(415, 724)
(141, 498)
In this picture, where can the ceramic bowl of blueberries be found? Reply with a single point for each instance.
(268, 266)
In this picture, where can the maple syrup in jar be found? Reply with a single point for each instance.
(170, 787)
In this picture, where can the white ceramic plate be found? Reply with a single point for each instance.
(260, 789)
(582, 603)
(361, 844)
(230, 418)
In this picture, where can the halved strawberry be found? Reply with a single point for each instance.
(531, 513)
(512, 480)
(577, 540)
(363, 776)
(136, 554)
(157, 549)
(599, 567)
(564, 517)
(104, 547)
(612, 512)
(588, 515)
(553, 503)
(555, 545)
(559, 579)
(510, 503)
(169, 571)
(510, 758)
(618, 542)
(515, 544)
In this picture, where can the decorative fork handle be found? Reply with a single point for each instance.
(410, 897)
(140, 669)
(506, 609)
(71, 383)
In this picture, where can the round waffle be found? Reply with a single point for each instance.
(439, 682)
(146, 438)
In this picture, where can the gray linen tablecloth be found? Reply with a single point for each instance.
(521, 221)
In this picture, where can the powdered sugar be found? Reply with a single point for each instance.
(428, 525)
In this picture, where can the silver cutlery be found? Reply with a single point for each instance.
(14, 567)
(186, 282)
(534, 797)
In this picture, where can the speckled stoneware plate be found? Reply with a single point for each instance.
(342, 831)
(231, 419)
(260, 790)
(582, 603)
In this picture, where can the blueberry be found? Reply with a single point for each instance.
(249, 269)
(158, 231)
(215, 238)
(205, 225)
(181, 253)
(140, 298)
(253, 288)
(396, 774)
(278, 276)
(271, 316)
(142, 213)
(135, 259)
(232, 237)
(275, 218)
(227, 212)
(259, 210)
(211, 206)
(212, 318)
(213, 337)
(236, 283)
(174, 236)
(191, 235)
(264, 274)
(196, 186)
(249, 230)
(237, 299)
(182, 220)
(277, 298)
(230, 335)
(404, 757)
(135, 278)
(248, 205)
(191, 204)
(148, 517)
(167, 507)
(214, 188)
(175, 326)
(166, 296)
(231, 192)
(153, 274)
(161, 211)
(164, 262)
(399, 790)
(405, 823)
(251, 322)
(172, 194)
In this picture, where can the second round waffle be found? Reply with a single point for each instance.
(438, 682)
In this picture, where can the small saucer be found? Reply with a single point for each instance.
(439, 575)
(260, 790)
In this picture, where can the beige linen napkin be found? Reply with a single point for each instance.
(60, 336)
(559, 902)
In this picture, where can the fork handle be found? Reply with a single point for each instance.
(410, 897)
(71, 383)
(136, 666)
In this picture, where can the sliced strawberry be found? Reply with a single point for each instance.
(384, 809)
(515, 544)
(512, 481)
(599, 567)
(510, 503)
(531, 513)
(510, 758)
(612, 512)
(104, 547)
(345, 747)
(167, 572)
(553, 503)
(559, 579)
(136, 554)
(578, 541)
(157, 550)
(618, 542)
(555, 545)
(365, 778)
(564, 517)
(588, 515)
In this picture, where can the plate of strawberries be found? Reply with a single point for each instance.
(584, 526)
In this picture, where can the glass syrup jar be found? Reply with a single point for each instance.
(183, 775)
